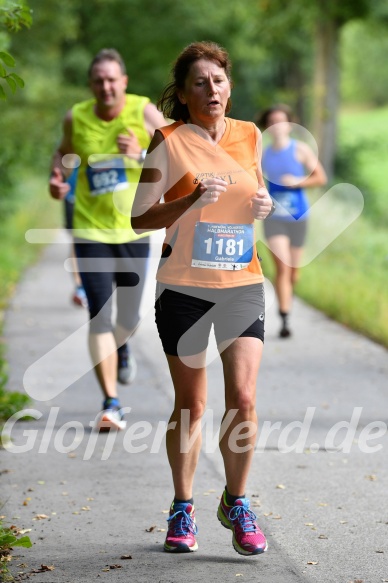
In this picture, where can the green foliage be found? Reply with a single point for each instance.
(9, 538)
(363, 150)
(365, 76)
(13, 15)
(13, 80)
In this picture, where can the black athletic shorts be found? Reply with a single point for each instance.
(185, 315)
(102, 267)
(295, 230)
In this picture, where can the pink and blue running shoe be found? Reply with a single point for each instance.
(248, 539)
(181, 529)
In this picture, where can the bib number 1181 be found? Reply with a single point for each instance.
(227, 246)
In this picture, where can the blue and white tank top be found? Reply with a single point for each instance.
(292, 203)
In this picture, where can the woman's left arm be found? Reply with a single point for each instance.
(315, 173)
(262, 203)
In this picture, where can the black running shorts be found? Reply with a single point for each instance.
(295, 230)
(184, 316)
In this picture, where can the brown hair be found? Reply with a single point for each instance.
(107, 55)
(262, 118)
(169, 103)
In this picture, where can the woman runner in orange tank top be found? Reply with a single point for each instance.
(207, 169)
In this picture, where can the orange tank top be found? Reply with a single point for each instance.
(212, 247)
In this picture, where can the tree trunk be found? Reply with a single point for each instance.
(326, 91)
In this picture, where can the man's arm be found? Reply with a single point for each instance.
(129, 145)
(153, 119)
(58, 186)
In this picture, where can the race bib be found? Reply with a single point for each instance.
(106, 176)
(222, 246)
(289, 204)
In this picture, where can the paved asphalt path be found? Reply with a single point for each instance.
(90, 500)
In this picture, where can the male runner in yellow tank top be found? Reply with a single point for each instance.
(110, 135)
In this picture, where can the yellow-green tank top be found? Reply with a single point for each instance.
(107, 180)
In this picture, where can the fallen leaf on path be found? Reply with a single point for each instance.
(151, 528)
(161, 530)
(115, 566)
(26, 501)
(323, 536)
(312, 562)
(371, 477)
(165, 511)
(40, 517)
(281, 487)
(43, 569)
(277, 517)
(309, 524)
(86, 508)
(380, 552)
(24, 530)
(126, 557)
(343, 522)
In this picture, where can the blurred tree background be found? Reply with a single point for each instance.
(315, 55)
(323, 57)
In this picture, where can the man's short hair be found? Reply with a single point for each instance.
(107, 55)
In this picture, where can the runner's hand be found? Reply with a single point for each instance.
(291, 181)
(261, 204)
(208, 191)
(58, 187)
(128, 144)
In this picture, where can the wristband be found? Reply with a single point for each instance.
(142, 156)
(273, 209)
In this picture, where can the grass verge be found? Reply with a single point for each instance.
(348, 280)
(32, 209)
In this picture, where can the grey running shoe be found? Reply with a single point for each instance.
(127, 368)
(110, 417)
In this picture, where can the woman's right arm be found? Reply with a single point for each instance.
(148, 212)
